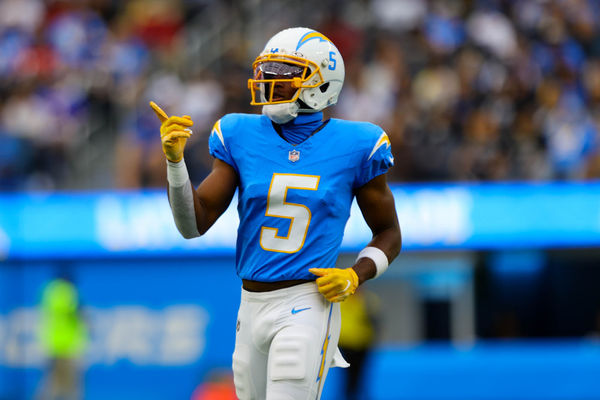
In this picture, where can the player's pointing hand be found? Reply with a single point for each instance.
(174, 132)
(334, 283)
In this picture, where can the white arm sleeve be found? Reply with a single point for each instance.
(181, 199)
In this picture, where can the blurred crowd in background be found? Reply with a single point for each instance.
(469, 90)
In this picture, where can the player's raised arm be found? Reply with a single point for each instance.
(194, 211)
(214, 194)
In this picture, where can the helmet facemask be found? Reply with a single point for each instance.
(280, 78)
(299, 71)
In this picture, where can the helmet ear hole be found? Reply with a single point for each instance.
(323, 88)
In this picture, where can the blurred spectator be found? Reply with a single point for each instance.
(76, 34)
(158, 23)
(25, 15)
(371, 89)
(357, 337)
(404, 15)
(467, 90)
(63, 336)
(493, 31)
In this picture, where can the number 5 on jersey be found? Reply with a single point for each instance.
(298, 214)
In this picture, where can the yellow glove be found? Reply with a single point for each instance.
(174, 133)
(334, 283)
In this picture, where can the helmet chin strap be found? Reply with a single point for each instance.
(281, 113)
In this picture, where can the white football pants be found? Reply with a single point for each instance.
(286, 341)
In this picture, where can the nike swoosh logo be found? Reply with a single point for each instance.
(347, 286)
(296, 311)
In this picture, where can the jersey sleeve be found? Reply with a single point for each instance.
(218, 146)
(378, 160)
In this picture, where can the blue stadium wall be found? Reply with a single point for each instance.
(162, 310)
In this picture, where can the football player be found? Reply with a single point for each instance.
(296, 176)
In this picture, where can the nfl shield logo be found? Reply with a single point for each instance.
(294, 156)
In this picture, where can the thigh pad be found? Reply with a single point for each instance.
(289, 354)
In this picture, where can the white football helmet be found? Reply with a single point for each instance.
(304, 59)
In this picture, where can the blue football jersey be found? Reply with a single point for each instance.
(294, 200)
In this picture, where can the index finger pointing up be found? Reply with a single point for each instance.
(162, 116)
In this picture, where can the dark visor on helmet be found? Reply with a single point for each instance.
(280, 79)
(278, 70)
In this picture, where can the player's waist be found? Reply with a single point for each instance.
(284, 294)
(257, 286)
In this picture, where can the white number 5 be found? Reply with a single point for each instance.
(298, 214)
